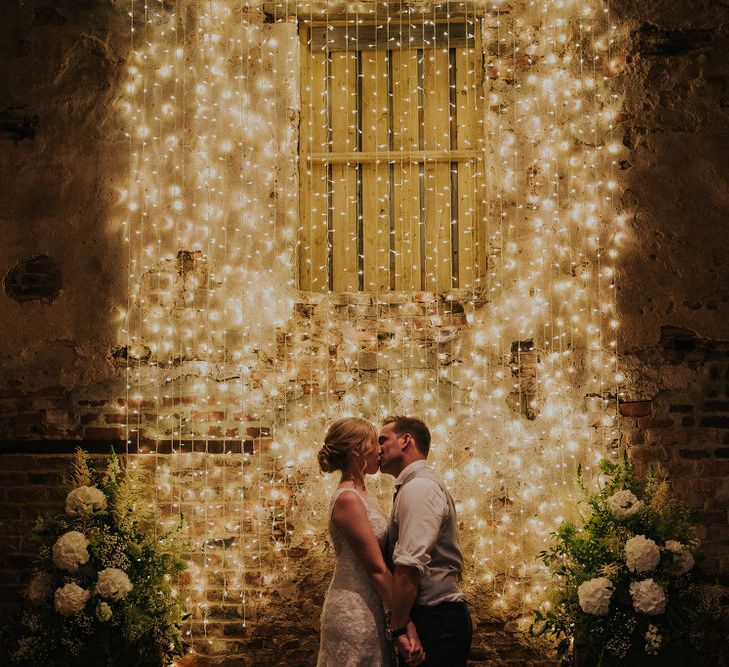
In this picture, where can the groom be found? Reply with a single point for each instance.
(423, 550)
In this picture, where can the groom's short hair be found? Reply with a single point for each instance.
(415, 427)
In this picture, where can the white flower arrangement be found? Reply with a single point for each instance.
(113, 584)
(624, 504)
(69, 551)
(594, 596)
(642, 554)
(85, 500)
(649, 598)
(624, 574)
(70, 599)
(85, 598)
(683, 561)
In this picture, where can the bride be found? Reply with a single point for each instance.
(353, 617)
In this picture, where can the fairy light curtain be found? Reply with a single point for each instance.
(437, 179)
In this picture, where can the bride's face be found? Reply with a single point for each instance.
(371, 456)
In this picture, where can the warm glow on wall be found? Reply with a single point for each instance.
(517, 375)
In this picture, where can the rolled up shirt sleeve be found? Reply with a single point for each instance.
(420, 509)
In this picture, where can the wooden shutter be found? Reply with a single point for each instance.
(391, 156)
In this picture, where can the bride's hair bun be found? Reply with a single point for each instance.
(324, 458)
(344, 436)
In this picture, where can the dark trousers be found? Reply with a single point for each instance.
(445, 631)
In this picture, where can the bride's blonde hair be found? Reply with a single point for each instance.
(344, 436)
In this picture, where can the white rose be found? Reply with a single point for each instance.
(683, 561)
(113, 583)
(85, 500)
(624, 504)
(648, 597)
(642, 554)
(594, 596)
(69, 551)
(71, 599)
(39, 587)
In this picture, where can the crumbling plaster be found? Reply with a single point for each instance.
(674, 269)
(60, 65)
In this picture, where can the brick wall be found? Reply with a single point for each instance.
(684, 431)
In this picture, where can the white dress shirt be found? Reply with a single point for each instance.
(424, 532)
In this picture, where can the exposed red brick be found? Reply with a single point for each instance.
(715, 422)
(258, 431)
(35, 417)
(652, 422)
(203, 416)
(134, 403)
(49, 392)
(171, 401)
(715, 406)
(694, 454)
(101, 433)
(635, 408)
(123, 418)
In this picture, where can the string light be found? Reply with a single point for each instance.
(514, 330)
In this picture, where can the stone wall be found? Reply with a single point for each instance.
(672, 286)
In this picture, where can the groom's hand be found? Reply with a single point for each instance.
(410, 647)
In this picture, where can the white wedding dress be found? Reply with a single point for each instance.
(353, 617)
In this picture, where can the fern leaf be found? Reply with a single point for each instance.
(81, 472)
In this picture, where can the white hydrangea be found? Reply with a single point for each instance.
(594, 596)
(84, 501)
(624, 504)
(69, 551)
(683, 561)
(642, 554)
(39, 587)
(71, 599)
(648, 597)
(113, 583)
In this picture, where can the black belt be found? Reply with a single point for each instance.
(448, 604)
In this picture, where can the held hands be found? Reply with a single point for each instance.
(409, 646)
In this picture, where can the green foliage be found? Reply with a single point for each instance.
(596, 549)
(143, 627)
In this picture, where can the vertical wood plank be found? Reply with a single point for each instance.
(406, 187)
(316, 178)
(305, 120)
(375, 177)
(343, 113)
(479, 179)
(466, 132)
(313, 200)
(438, 267)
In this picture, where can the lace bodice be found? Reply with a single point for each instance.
(353, 620)
(348, 570)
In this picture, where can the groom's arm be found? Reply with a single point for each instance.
(420, 510)
(405, 582)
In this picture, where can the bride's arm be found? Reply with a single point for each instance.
(350, 516)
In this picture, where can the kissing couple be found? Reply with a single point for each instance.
(409, 565)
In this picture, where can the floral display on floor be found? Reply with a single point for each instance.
(102, 586)
(624, 587)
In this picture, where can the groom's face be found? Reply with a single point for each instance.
(390, 449)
